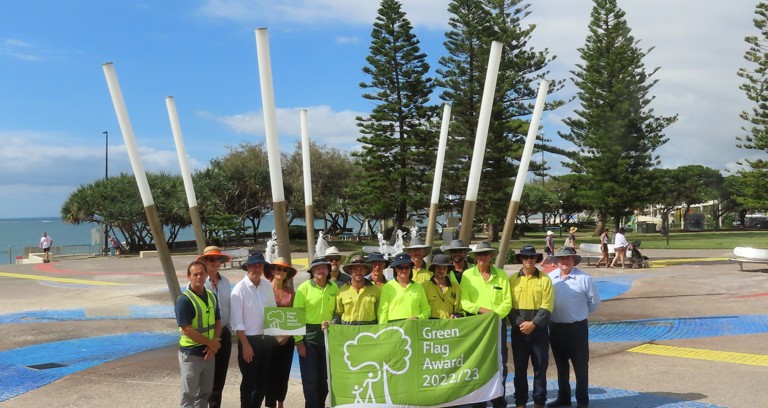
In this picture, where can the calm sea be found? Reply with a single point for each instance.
(17, 233)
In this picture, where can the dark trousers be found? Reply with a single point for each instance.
(314, 375)
(254, 384)
(500, 402)
(222, 365)
(570, 341)
(280, 369)
(533, 347)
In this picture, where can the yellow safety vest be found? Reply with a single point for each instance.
(205, 317)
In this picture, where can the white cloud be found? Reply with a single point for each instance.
(324, 125)
(19, 49)
(348, 40)
(426, 13)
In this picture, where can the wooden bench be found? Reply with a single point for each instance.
(749, 255)
(238, 256)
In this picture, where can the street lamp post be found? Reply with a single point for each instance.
(106, 176)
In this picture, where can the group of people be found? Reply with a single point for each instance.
(543, 311)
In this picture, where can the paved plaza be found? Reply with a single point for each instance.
(691, 331)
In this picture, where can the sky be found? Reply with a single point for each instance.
(55, 105)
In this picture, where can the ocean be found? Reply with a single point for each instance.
(17, 233)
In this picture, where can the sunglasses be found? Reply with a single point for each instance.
(403, 267)
(527, 257)
(212, 259)
(279, 269)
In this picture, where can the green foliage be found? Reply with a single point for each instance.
(754, 186)
(398, 139)
(615, 131)
(474, 25)
(117, 203)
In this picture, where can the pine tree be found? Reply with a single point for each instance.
(615, 131)
(399, 137)
(474, 25)
(754, 194)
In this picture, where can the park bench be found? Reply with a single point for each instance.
(238, 256)
(744, 255)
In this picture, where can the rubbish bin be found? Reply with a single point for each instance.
(642, 227)
(650, 228)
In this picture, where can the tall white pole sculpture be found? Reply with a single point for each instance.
(438, 174)
(309, 209)
(186, 175)
(484, 120)
(522, 172)
(279, 206)
(153, 217)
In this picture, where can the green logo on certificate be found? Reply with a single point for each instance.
(284, 321)
(449, 362)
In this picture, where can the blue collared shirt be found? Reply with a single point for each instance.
(576, 296)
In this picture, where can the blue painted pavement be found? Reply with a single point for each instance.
(68, 357)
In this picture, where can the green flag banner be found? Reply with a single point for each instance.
(282, 321)
(415, 363)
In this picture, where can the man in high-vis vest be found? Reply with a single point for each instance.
(199, 320)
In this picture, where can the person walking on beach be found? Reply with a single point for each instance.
(199, 320)
(576, 297)
(532, 302)
(220, 286)
(249, 298)
(358, 300)
(485, 289)
(45, 244)
(318, 298)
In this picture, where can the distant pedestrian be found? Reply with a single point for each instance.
(620, 245)
(549, 246)
(115, 245)
(45, 244)
(571, 240)
(604, 238)
(576, 297)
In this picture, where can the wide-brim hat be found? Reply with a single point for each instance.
(401, 259)
(417, 243)
(568, 251)
(455, 245)
(318, 262)
(214, 251)
(333, 251)
(357, 260)
(483, 247)
(549, 232)
(255, 258)
(572, 230)
(440, 260)
(280, 261)
(378, 257)
(528, 250)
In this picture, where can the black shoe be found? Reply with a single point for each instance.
(560, 403)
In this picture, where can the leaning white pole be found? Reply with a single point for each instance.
(186, 175)
(309, 210)
(438, 174)
(522, 172)
(484, 120)
(153, 218)
(279, 206)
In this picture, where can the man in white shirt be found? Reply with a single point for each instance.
(45, 244)
(249, 298)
